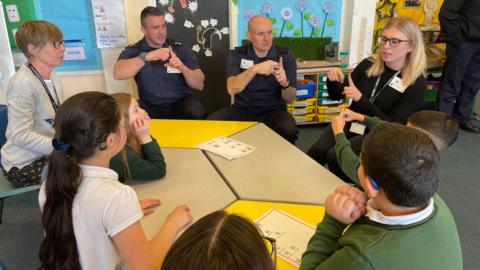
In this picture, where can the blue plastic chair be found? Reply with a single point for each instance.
(6, 188)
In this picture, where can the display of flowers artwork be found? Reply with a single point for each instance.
(293, 18)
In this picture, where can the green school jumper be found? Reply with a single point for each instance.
(151, 167)
(430, 244)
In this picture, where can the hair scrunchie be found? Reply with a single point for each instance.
(60, 146)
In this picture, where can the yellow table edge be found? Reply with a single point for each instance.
(189, 133)
(311, 214)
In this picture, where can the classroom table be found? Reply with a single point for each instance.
(189, 133)
(276, 171)
(190, 180)
(311, 214)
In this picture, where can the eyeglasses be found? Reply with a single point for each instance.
(57, 44)
(271, 244)
(394, 42)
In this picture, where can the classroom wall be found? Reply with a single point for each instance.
(76, 82)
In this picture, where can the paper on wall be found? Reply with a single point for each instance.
(213, 22)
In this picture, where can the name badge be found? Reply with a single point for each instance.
(397, 84)
(357, 128)
(246, 64)
(173, 70)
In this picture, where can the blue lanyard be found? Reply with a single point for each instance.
(373, 96)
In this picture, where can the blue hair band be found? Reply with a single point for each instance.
(60, 146)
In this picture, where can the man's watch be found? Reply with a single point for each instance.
(143, 57)
(286, 87)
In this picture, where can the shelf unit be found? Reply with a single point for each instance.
(318, 108)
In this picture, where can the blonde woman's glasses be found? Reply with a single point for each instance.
(394, 42)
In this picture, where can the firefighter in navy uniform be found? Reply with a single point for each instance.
(262, 79)
(165, 71)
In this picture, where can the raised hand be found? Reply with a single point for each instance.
(174, 61)
(147, 205)
(266, 67)
(351, 91)
(338, 123)
(350, 115)
(180, 216)
(335, 75)
(280, 74)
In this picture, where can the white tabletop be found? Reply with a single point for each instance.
(191, 179)
(276, 171)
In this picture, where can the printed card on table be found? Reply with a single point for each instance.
(292, 235)
(226, 147)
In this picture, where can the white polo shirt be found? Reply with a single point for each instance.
(102, 208)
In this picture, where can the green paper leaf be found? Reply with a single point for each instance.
(275, 31)
(273, 20)
(289, 26)
(235, 2)
(298, 32)
(317, 32)
(307, 15)
(330, 22)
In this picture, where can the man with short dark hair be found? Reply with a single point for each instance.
(460, 23)
(165, 71)
(262, 79)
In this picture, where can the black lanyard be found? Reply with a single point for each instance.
(373, 96)
(52, 100)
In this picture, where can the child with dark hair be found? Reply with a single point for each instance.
(90, 219)
(142, 158)
(440, 127)
(221, 241)
(399, 222)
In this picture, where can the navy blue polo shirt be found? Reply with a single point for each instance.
(155, 85)
(263, 93)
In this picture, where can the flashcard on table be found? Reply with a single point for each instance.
(291, 234)
(226, 147)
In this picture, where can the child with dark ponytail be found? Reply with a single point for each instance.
(91, 220)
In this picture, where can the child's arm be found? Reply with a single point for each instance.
(143, 254)
(343, 207)
(347, 159)
(152, 166)
(369, 121)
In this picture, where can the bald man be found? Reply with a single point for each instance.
(262, 79)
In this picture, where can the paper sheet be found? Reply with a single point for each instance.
(226, 147)
(292, 234)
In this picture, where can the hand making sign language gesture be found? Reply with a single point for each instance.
(280, 74)
(174, 61)
(161, 54)
(350, 91)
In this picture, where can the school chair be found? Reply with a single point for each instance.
(6, 188)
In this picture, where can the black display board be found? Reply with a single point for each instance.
(214, 96)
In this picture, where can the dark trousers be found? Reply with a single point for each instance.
(187, 108)
(461, 80)
(279, 121)
(323, 150)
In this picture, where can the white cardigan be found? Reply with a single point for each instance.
(30, 119)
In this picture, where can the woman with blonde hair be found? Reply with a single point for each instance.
(33, 96)
(142, 158)
(390, 86)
